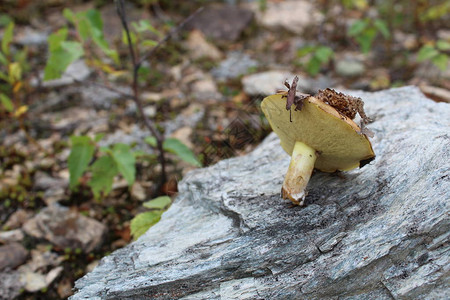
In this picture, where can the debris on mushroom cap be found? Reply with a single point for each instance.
(346, 105)
(334, 135)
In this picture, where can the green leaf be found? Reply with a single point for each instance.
(305, 50)
(149, 43)
(15, 72)
(6, 102)
(3, 59)
(95, 19)
(143, 221)
(443, 45)
(21, 57)
(61, 58)
(427, 52)
(126, 163)
(7, 38)
(83, 27)
(382, 27)
(104, 149)
(151, 140)
(365, 39)
(98, 137)
(139, 153)
(103, 171)
(358, 27)
(144, 25)
(4, 77)
(323, 54)
(79, 158)
(125, 38)
(55, 39)
(158, 203)
(313, 66)
(5, 20)
(176, 147)
(435, 12)
(440, 61)
(69, 15)
(104, 46)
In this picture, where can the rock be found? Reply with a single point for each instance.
(43, 182)
(199, 47)
(138, 192)
(222, 23)
(101, 98)
(294, 15)
(75, 119)
(10, 236)
(35, 281)
(312, 85)
(29, 36)
(443, 34)
(64, 288)
(10, 285)
(269, 82)
(150, 111)
(17, 219)
(349, 67)
(66, 228)
(41, 259)
(428, 71)
(380, 232)
(135, 135)
(265, 83)
(32, 275)
(205, 89)
(52, 196)
(235, 65)
(404, 40)
(189, 117)
(12, 255)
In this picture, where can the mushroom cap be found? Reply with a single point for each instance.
(337, 139)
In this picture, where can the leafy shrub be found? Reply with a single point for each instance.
(366, 30)
(317, 57)
(111, 161)
(105, 163)
(435, 53)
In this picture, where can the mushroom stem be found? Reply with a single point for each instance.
(297, 177)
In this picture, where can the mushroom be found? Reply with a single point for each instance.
(316, 135)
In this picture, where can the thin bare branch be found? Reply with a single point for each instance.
(147, 122)
(120, 6)
(110, 88)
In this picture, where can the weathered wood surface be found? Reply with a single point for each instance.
(380, 232)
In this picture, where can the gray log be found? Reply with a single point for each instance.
(380, 232)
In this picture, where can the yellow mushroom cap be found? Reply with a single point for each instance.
(337, 139)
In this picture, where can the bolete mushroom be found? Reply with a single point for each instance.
(316, 135)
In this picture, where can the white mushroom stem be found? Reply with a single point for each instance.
(297, 177)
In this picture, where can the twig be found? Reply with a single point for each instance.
(112, 89)
(148, 123)
(120, 5)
